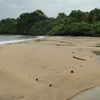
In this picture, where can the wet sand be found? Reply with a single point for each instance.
(55, 68)
(91, 94)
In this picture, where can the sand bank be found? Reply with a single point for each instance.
(47, 69)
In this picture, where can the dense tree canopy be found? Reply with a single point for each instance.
(8, 26)
(26, 21)
(77, 23)
(78, 15)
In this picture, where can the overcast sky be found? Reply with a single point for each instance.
(13, 8)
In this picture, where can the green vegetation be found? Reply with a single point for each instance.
(8, 26)
(77, 23)
(96, 52)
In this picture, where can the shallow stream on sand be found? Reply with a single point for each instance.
(91, 94)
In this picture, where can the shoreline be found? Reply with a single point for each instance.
(22, 40)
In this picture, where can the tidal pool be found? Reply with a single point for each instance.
(91, 94)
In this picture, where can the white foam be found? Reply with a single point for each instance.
(22, 40)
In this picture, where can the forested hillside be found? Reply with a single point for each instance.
(77, 23)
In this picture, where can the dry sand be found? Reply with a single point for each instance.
(46, 69)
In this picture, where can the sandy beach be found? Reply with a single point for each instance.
(54, 68)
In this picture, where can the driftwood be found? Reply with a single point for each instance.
(79, 58)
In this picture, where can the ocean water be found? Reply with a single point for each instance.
(91, 94)
(5, 39)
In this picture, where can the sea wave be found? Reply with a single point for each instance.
(22, 40)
